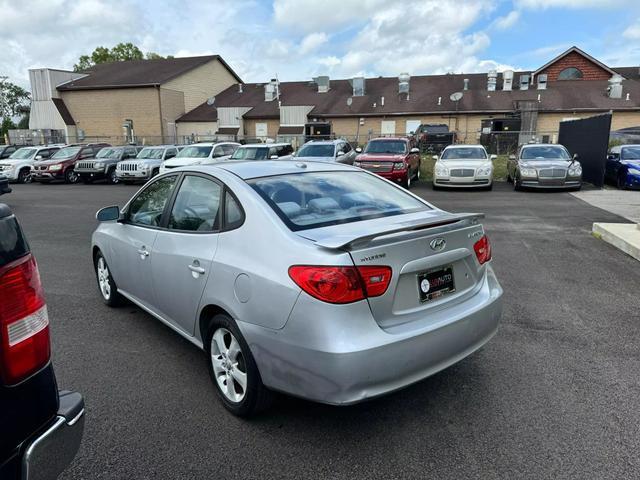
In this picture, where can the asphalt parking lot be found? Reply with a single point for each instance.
(556, 394)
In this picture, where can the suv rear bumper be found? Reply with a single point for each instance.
(47, 455)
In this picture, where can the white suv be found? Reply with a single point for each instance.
(200, 154)
(17, 168)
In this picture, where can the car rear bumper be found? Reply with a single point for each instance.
(349, 358)
(46, 456)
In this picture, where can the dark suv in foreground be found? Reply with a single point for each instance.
(103, 166)
(61, 166)
(40, 427)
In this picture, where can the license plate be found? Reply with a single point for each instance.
(436, 283)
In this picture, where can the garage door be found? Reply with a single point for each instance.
(412, 126)
(388, 127)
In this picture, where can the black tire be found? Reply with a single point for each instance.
(621, 180)
(24, 176)
(256, 397)
(112, 178)
(490, 187)
(155, 172)
(113, 298)
(70, 176)
(516, 186)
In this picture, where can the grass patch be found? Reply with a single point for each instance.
(499, 168)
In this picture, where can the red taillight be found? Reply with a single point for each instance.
(24, 324)
(483, 249)
(341, 284)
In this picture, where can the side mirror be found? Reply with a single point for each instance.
(575, 156)
(358, 150)
(108, 214)
(38, 157)
(339, 153)
(435, 157)
(273, 157)
(512, 157)
(415, 150)
(493, 157)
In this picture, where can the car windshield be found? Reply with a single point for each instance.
(386, 146)
(628, 153)
(153, 153)
(66, 152)
(544, 152)
(108, 153)
(319, 199)
(250, 153)
(311, 150)
(464, 153)
(195, 151)
(23, 153)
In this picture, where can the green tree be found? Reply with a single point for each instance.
(13, 100)
(119, 53)
(24, 122)
(7, 124)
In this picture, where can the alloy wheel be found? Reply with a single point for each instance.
(103, 278)
(229, 365)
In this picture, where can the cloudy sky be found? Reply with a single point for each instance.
(298, 39)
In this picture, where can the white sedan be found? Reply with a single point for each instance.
(463, 166)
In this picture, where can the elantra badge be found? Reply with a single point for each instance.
(437, 244)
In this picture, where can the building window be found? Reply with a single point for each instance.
(570, 73)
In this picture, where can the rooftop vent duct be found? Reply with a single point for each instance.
(614, 89)
(507, 80)
(323, 83)
(542, 81)
(466, 84)
(403, 83)
(271, 90)
(358, 86)
(524, 82)
(492, 78)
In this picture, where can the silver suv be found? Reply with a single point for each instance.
(146, 165)
(327, 151)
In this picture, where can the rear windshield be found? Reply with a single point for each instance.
(154, 153)
(386, 146)
(542, 152)
(250, 153)
(464, 153)
(194, 151)
(319, 199)
(310, 150)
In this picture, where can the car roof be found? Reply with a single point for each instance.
(265, 145)
(389, 138)
(209, 144)
(464, 145)
(325, 142)
(247, 169)
(527, 145)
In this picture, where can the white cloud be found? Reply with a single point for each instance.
(508, 21)
(322, 15)
(632, 32)
(312, 41)
(575, 4)
(330, 61)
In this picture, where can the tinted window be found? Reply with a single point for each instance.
(316, 199)
(346, 148)
(172, 152)
(148, 206)
(12, 243)
(229, 149)
(86, 153)
(197, 205)
(233, 212)
(130, 153)
(464, 153)
(544, 151)
(315, 150)
(386, 146)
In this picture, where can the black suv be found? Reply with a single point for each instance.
(40, 427)
(103, 166)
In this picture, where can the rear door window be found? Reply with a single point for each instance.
(318, 199)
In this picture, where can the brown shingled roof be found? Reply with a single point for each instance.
(202, 113)
(139, 73)
(429, 94)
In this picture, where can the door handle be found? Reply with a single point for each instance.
(196, 268)
(143, 252)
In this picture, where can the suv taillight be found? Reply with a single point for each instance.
(24, 324)
(483, 249)
(341, 284)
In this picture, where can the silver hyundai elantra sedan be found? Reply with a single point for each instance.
(315, 279)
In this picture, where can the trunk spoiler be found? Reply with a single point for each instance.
(348, 242)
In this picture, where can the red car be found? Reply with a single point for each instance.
(61, 166)
(396, 159)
